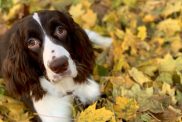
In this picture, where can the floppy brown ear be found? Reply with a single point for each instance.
(20, 76)
(84, 53)
(82, 50)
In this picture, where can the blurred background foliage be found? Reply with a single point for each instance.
(140, 73)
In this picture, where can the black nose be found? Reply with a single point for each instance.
(59, 65)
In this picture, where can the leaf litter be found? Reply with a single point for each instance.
(140, 74)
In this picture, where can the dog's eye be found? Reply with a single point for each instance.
(33, 43)
(60, 32)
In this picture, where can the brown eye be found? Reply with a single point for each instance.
(33, 43)
(60, 32)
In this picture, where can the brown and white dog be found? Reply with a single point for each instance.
(47, 57)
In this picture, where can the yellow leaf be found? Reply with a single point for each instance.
(172, 7)
(89, 18)
(86, 3)
(13, 12)
(111, 17)
(129, 42)
(119, 33)
(176, 44)
(159, 40)
(138, 76)
(16, 109)
(149, 67)
(167, 90)
(125, 81)
(142, 32)
(77, 10)
(120, 63)
(149, 18)
(167, 64)
(170, 26)
(125, 108)
(91, 114)
(117, 50)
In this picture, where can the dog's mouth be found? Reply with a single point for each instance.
(57, 77)
(66, 73)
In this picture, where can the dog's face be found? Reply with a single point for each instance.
(53, 45)
(46, 43)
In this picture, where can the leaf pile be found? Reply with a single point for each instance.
(141, 73)
(12, 110)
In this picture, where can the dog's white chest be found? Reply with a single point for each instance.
(54, 109)
(56, 105)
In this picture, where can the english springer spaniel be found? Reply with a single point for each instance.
(48, 57)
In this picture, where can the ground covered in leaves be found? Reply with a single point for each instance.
(140, 74)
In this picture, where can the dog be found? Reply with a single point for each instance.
(48, 58)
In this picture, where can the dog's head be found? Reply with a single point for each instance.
(46, 43)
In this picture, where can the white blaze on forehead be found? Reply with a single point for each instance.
(36, 18)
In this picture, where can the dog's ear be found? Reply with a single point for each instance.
(82, 50)
(84, 53)
(18, 71)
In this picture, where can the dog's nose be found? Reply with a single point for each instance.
(59, 65)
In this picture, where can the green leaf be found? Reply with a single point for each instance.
(165, 77)
(102, 71)
(179, 97)
(146, 118)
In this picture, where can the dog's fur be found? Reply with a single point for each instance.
(47, 57)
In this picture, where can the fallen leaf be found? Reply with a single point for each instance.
(77, 10)
(138, 76)
(148, 18)
(142, 32)
(89, 22)
(125, 108)
(129, 42)
(167, 64)
(169, 26)
(167, 90)
(86, 4)
(150, 104)
(13, 12)
(146, 117)
(91, 114)
(172, 7)
(165, 77)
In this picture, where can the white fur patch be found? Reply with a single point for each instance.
(99, 40)
(36, 17)
(56, 106)
(54, 109)
(87, 92)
